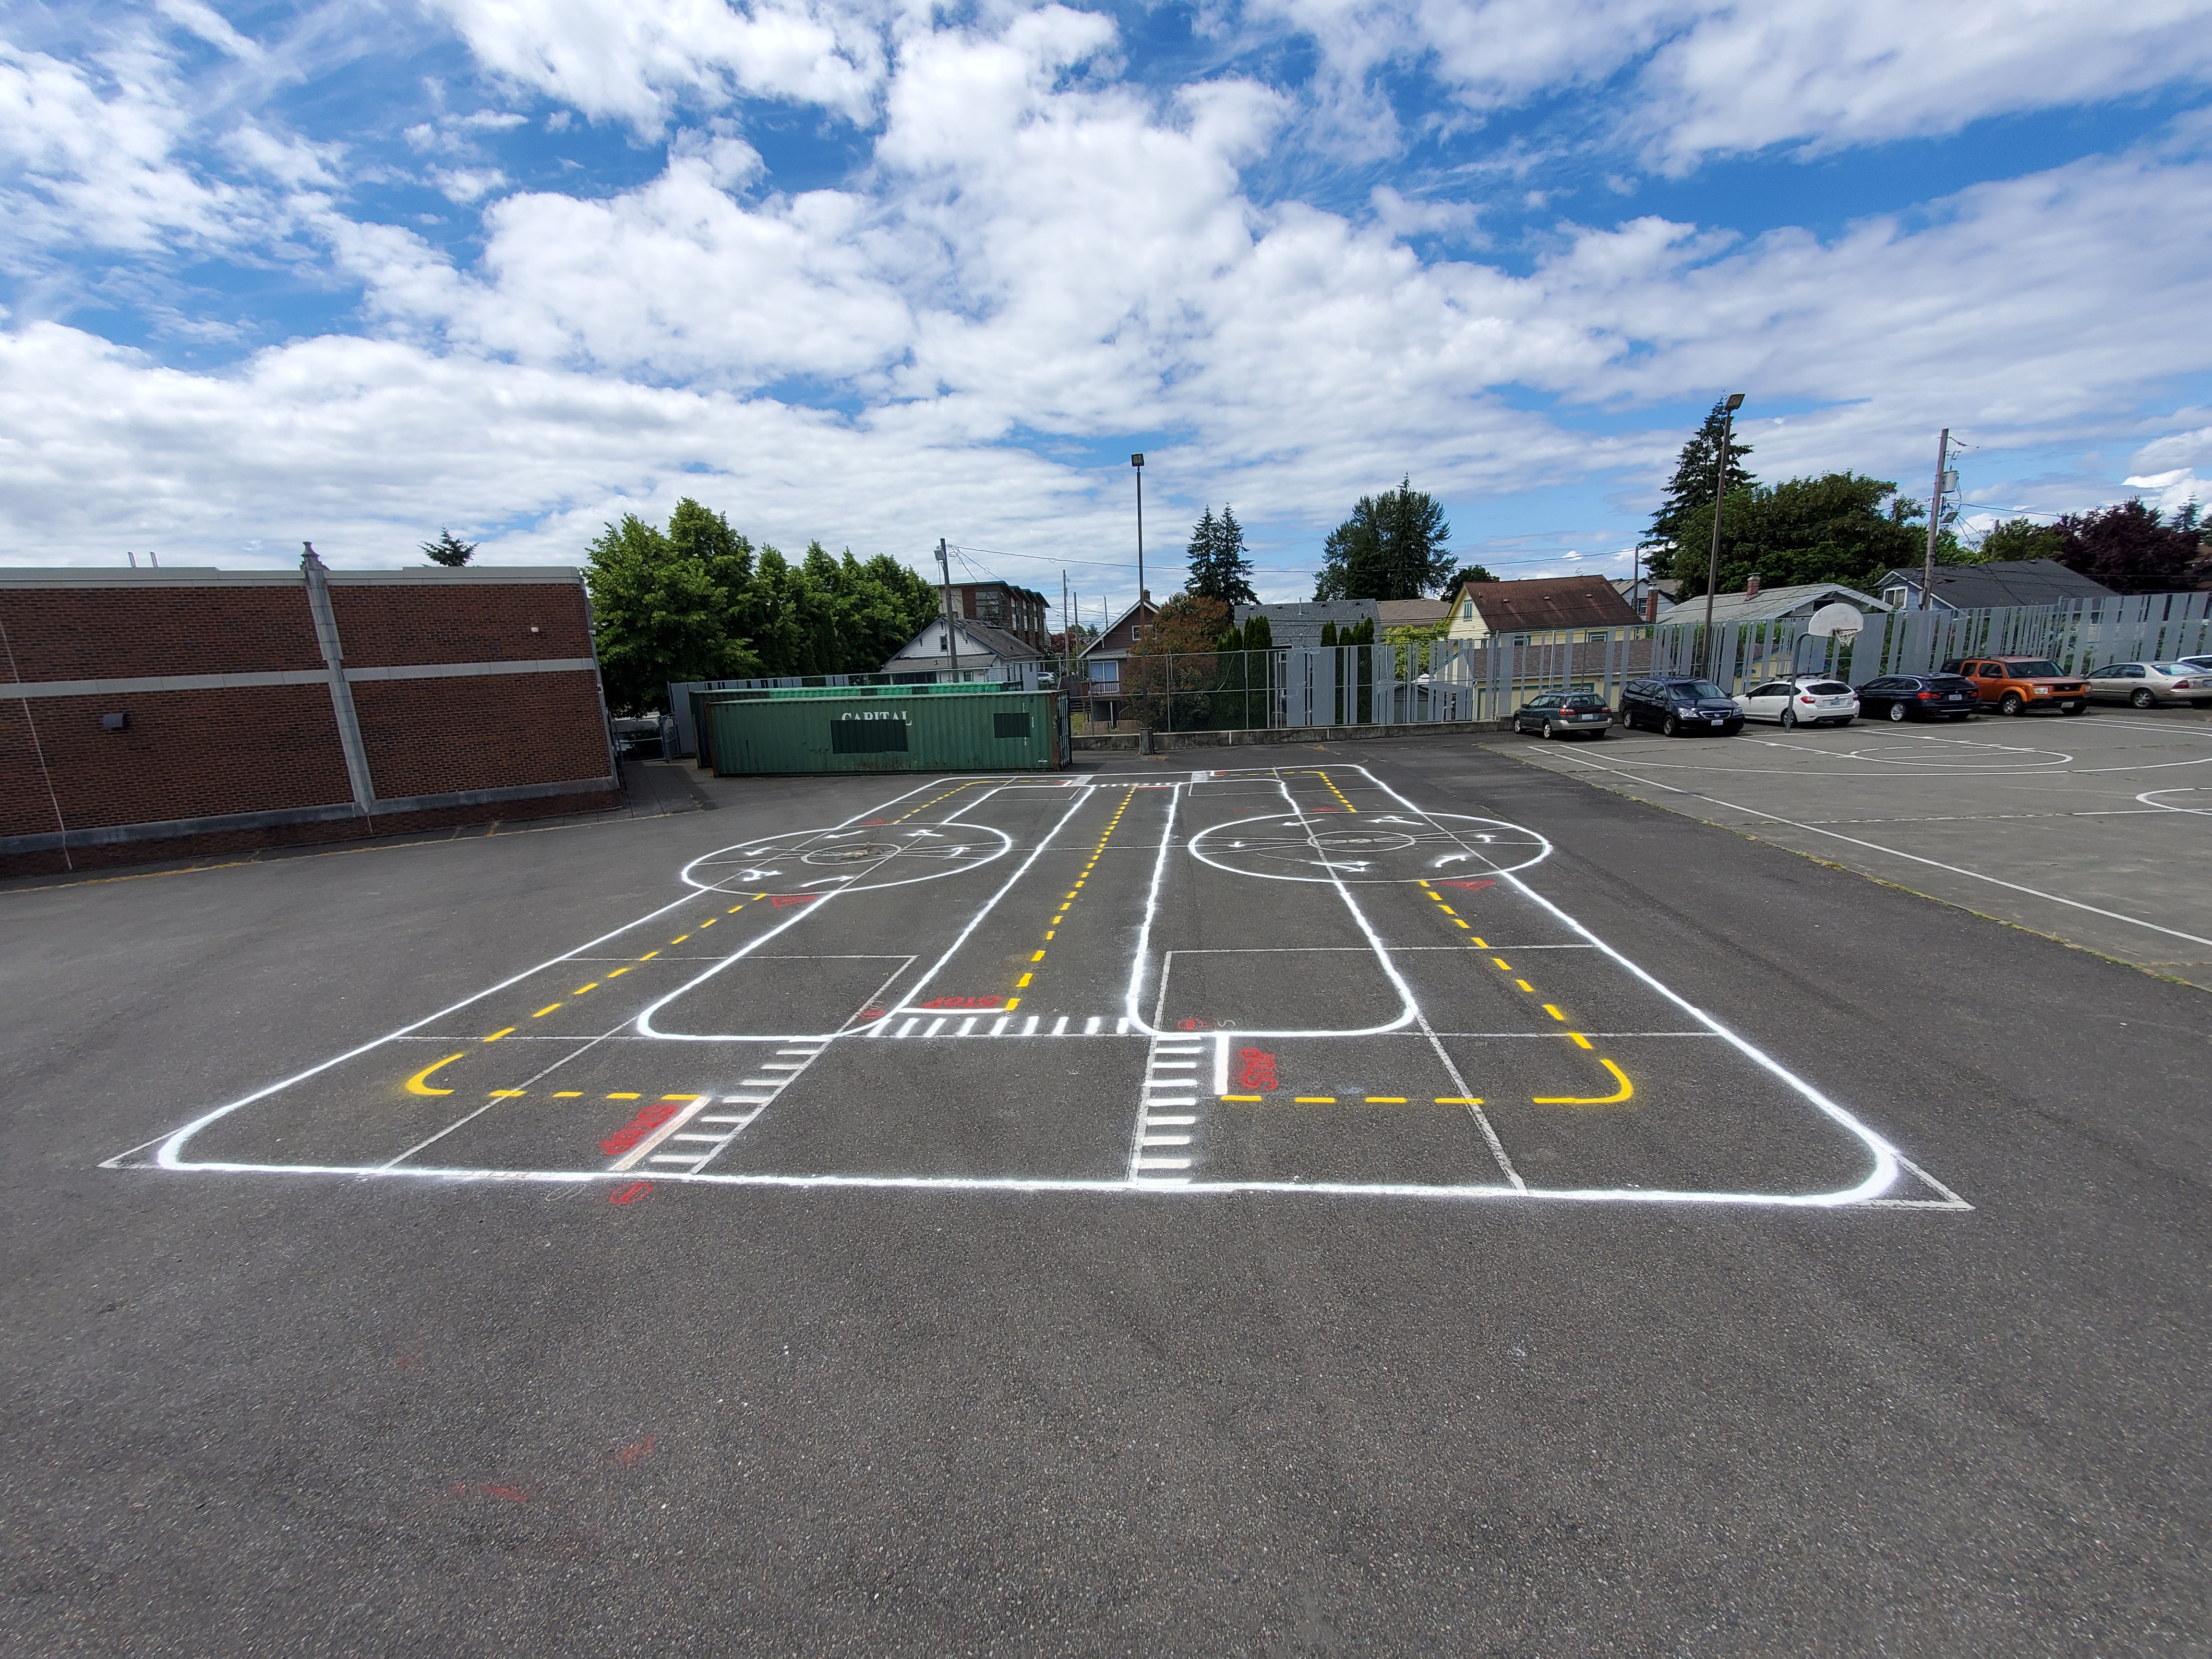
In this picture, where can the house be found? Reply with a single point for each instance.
(1540, 610)
(1099, 671)
(1649, 597)
(1301, 624)
(1759, 604)
(1017, 610)
(1978, 586)
(985, 652)
(1410, 613)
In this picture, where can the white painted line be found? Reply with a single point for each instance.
(1148, 1140)
(911, 1024)
(746, 1117)
(1029, 1025)
(1173, 1100)
(1163, 1164)
(1090, 1025)
(749, 1100)
(999, 1025)
(1060, 1025)
(774, 1082)
(789, 1065)
(936, 1025)
(1175, 1122)
(1120, 1028)
(668, 1131)
(1221, 1064)
(968, 1024)
(718, 1140)
(1192, 1065)
(678, 1158)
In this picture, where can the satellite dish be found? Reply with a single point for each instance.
(1839, 619)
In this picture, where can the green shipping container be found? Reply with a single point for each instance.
(888, 728)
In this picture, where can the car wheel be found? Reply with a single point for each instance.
(1788, 720)
(1896, 709)
(2012, 704)
(1670, 727)
(1551, 732)
(2144, 699)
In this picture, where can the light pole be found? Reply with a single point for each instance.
(1720, 490)
(1137, 627)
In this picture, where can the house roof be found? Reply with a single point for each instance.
(1770, 603)
(1300, 623)
(1099, 646)
(1410, 613)
(2001, 582)
(1539, 602)
(994, 642)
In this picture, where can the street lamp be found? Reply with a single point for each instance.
(1720, 490)
(1138, 462)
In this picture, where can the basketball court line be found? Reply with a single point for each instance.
(1882, 1177)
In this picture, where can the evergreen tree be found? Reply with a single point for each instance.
(448, 549)
(1392, 547)
(1219, 567)
(1691, 488)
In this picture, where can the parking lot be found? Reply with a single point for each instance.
(2094, 830)
(1394, 1199)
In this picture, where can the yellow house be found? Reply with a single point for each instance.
(1542, 610)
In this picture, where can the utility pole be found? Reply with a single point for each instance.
(1720, 492)
(1935, 517)
(951, 633)
(1137, 627)
(1066, 634)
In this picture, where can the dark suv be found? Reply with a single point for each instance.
(1680, 706)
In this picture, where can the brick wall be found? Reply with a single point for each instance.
(488, 732)
(266, 762)
(101, 633)
(386, 625)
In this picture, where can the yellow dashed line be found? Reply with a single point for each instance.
(1022, 984)
(1447, 910)
(1456, 922)
(505, 1094)
(678, 939)
(1012, 1003)
(685, 1098)
(546, 1010)
(1039, 956)
(649, 955)
(1581, 1042)
(1314, 1100)
(1552, 1011)
(567, 1094)
(1503, 966)
(1525, 985)
(710, 921)
(734, 909)
(496, 1035)
(1458, 1100)
(580, 990)
(1478, 942)
(1255, 1098)
(616, 973)
(1393, 1100)
(641, 1097)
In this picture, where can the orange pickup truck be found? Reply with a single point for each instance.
(2014, 685)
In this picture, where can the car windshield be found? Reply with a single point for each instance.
(2033, 670)
(1586, 699)
(1825, 688)
(1696, 688)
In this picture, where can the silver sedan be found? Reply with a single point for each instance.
(2147, 684)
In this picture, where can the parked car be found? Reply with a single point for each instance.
(1919, 696)
(2202, 665)
(2147, 684)
(637, 737)
(1677, 706)
(1805, 700)
(2014, 685)
(1565, 714)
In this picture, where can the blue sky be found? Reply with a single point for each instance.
(877, 272)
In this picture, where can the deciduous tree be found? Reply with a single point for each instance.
(2130, 548)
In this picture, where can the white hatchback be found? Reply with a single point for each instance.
(1808, 700)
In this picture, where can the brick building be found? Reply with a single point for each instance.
(167, 713)
(1019, 611)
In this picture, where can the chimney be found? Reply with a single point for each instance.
(1651, 604)
(1751, 587)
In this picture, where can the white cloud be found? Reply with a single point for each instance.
(636, 60)
(467, 183)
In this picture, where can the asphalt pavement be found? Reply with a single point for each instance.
(1870, 1319)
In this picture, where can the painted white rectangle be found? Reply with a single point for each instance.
(1029, 1025)
(751, 1100)
(679, 1157)
(1163, 1164)
(1172, 1100)
(1192, 1065)
(968, 1024)
(1185, 1120)
(1090, 1025)
(716, 1140)
(1122, 1026)
(1168, 1140)
(746, 1117)
(999, 1025)
(1060, 1025)
(936, 1025)
(800, 1065)
(778, 1082)
(916, 1020)
(803, 1053)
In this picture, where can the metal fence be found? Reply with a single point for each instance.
(2076, 634)
(1389, 682)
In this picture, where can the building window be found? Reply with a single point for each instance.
(1467, 608)
(1106, 671)
(1523, 639)
(1892, 597)
(1600, 635)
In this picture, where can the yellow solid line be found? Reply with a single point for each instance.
(580, 990)
(567, 1094)
(420, 1084)
(1458, 1100)
(625, 1096)
(1039, 956)
(1626, 1089)
(546, 1010)
(1386, 1100)
(1314, 1100)
(1552, 1011)
(1254, 1098)
(1023, 980)
(1581, 1042)
(496, 1035)
(649, 956)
